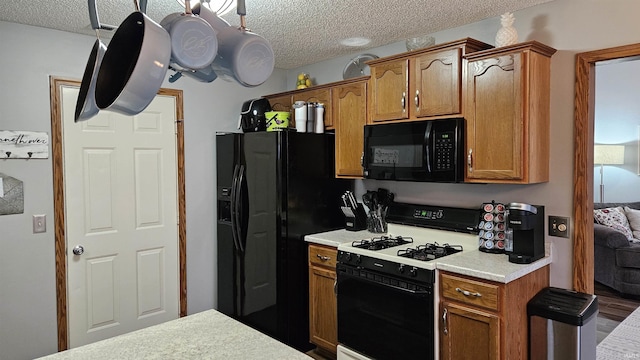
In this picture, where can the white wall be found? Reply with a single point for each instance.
(617, 121)
(27, 268)
(570, 26)
(30, 55)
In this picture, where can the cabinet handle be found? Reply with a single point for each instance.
(335, 287)
(404, 100)
(468, 293)
(470, 160)
(362, 159)
(444, 322)
(416, 100)
(322, 257)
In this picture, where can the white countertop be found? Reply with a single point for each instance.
(471, 262)
(336, 237)
(206, 335)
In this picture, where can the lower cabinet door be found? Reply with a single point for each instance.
(323, 322)
(467, 333)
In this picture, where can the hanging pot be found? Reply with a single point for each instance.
(194, 44)
(243, 56)
(134, 65)
(86, 106)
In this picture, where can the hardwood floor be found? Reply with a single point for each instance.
(613, 308)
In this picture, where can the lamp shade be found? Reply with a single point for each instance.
(608, 154)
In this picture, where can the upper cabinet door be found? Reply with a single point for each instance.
(436, 84)
(350, 115)
(495, 123)
(507, 111)
(280, 103)
(323, 96)
(389, 88)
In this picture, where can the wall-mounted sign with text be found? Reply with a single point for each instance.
(24, 145)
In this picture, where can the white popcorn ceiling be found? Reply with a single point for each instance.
(301, 32)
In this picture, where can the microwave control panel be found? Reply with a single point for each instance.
(444, 151)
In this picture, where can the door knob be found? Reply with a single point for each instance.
(78, 250)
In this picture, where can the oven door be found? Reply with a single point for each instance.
(384, 317)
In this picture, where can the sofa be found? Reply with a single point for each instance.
(616, 255)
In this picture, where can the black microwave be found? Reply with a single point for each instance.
(428, 150)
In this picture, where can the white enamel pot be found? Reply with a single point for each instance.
(243, 56)
(86, 106)
(134, 65)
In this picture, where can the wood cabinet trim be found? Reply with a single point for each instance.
(317, 87)
(469, 45)
(533, 45)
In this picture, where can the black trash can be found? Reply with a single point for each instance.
(562, 325)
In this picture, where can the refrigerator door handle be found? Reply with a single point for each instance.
(239, 208)
(234, 209)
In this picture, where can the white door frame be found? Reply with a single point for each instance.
(56, 85)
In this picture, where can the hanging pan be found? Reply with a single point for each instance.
(86, 106)
(134, 65)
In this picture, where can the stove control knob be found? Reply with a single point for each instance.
(358, 259)
(401, 268)
(347, 257)
(413, 271)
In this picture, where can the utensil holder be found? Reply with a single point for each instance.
(376, 223)
(355, 220)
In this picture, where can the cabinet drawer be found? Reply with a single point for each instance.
(469, 291)
(323, 255)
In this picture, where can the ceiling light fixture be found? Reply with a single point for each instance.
(355, 41)
(220, 7)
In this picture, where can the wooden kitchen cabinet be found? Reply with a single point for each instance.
(481, 319)
(317, 95)
(323, 312)
(280, 103)
(349, 103)
(507, 114)
(424, 84)
(471, 333)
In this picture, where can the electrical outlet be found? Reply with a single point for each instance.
(559, 226)
(39, 223)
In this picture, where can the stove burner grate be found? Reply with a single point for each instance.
(429, 252)
(381, 242)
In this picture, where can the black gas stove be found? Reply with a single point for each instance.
(385, 284)
(381, 242)
(429, 251)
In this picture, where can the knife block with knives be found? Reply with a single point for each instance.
(354, 213)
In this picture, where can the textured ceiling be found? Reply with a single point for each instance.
(301, 32)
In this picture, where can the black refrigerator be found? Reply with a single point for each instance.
(273, 188)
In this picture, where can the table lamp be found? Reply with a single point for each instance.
(607, 155)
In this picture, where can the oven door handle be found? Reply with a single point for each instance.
(409, 291)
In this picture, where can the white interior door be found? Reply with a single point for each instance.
(120, 179)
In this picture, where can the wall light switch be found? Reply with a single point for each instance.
(559, 226)
(39, 223)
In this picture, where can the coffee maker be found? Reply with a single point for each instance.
(526, 223)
